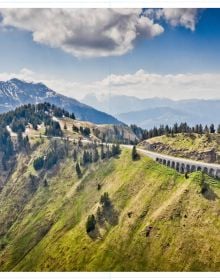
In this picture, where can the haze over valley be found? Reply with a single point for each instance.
(152, 112)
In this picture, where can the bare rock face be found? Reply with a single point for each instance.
(209, 156)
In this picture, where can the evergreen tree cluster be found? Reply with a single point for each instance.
(35, 115)
(104, 213)
(171, 130)
(85, 131)
(115, 150)
(6, 146)
(55, 153)
(105, 200)
(87, 157)
(109, 151)
(53, 129)
(23, 142)
(23, 116)
(61, 113)
(75, 128)
(91, 153)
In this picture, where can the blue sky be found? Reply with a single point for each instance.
(182, 47)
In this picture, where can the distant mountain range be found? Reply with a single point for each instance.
(117, 104)
(15, 92)
(151, 112)
(146, 113)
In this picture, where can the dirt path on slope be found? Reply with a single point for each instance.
(175, 197)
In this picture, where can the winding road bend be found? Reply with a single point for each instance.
(182, 164)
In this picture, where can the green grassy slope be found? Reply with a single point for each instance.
(48, 233)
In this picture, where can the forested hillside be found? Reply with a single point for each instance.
(15, 92)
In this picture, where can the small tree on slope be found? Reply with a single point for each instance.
(78, 170)
(134, 154)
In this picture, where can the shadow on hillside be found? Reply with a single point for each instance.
(111, 215)
(208, 193)
(95, 234)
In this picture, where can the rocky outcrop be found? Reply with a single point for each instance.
(209, 155)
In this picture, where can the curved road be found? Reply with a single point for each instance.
(180, 164)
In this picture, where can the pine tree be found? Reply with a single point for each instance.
(78, 170)
(45, 183)
(200, 129)
(134, 154)
(90, 224)
(72, 116)
(102, 152)
(96, 155)
(20, 139)
(115, 149)
(105, 200)
(108, 152)
(75, 128)
(38, 163)
(4, 163)
(86, 131)
(75, 155)
(81, 129)
(90, 156)
(86, 157)
(206, 129)
(212, 128)
(99, 215)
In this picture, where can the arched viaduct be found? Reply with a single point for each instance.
(184, 165)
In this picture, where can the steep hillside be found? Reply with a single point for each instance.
(156, 219)
(15, 92)
(205, 147)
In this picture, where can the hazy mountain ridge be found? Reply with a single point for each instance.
(150, 112)
(117, 104)
(15, 92)
(155, 117)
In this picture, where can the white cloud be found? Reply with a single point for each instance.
(84, 32)
(187, 18)
(174, 86)
(140, 84)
